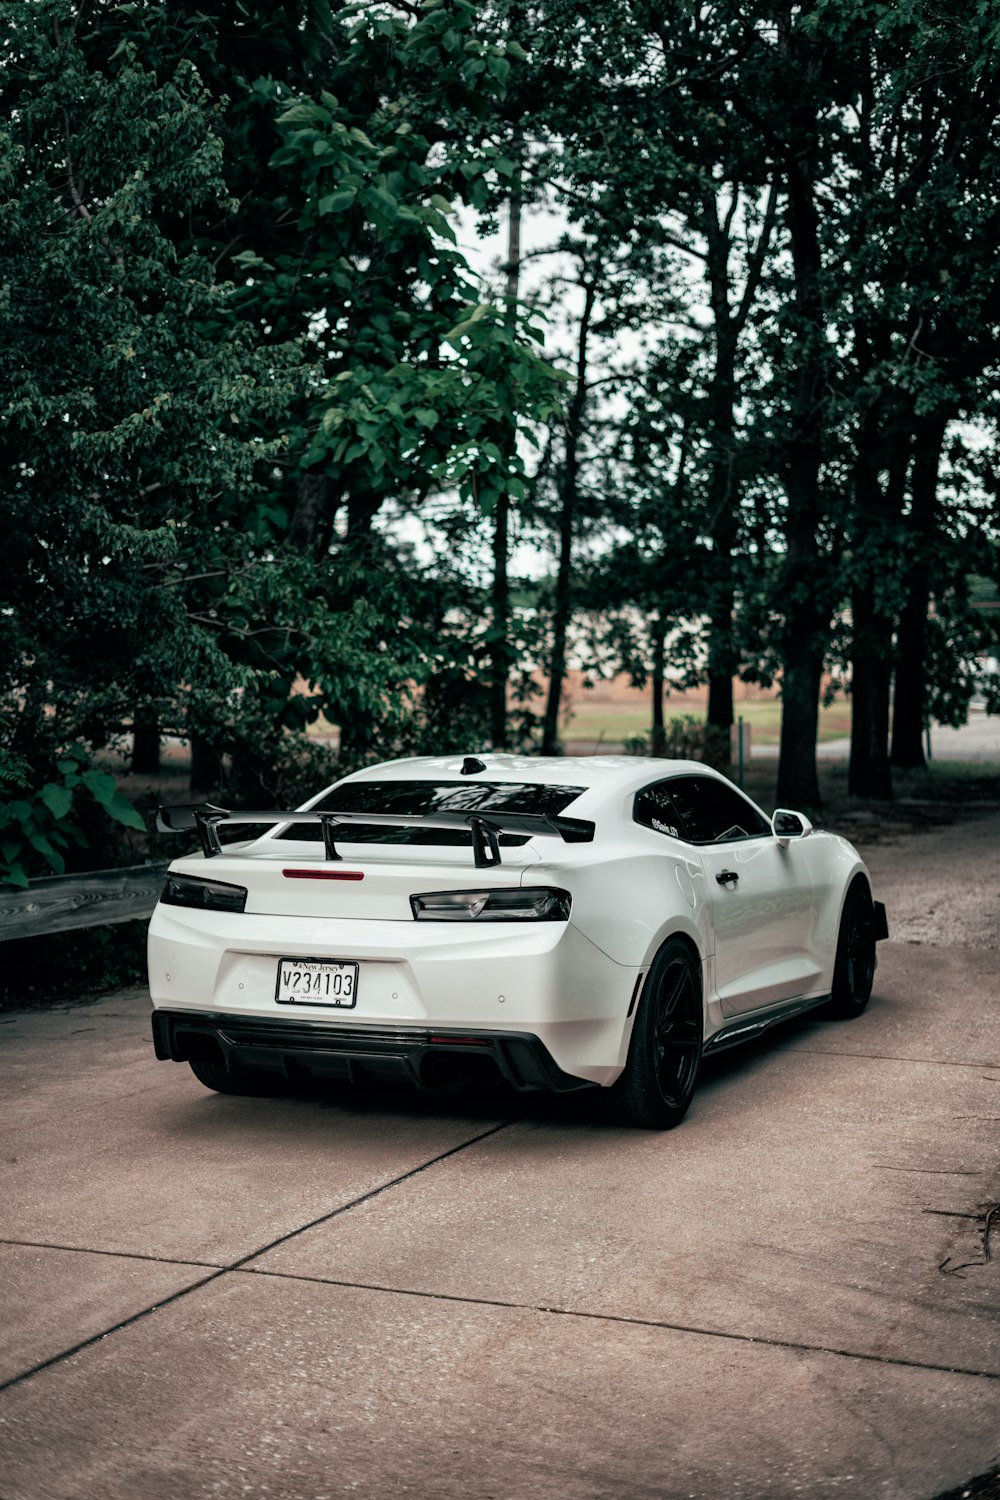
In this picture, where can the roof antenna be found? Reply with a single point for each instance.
(471, 765)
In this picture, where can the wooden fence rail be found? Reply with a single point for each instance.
(61, 902)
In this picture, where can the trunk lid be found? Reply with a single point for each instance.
(293, 879)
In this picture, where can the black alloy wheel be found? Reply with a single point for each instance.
(854, 967)
(658, 1082)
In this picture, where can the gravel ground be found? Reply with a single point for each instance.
(930, 871)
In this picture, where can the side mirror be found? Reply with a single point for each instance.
(786, 825)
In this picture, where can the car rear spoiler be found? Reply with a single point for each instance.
(485, 826)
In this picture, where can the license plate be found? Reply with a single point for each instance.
(307, 981)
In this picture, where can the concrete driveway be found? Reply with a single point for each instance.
(387, 1295)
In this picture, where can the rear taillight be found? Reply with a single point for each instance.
(521, 904)
(210, 895)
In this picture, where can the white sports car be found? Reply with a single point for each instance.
(598, 922)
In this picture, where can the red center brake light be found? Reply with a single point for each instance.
(323, 874)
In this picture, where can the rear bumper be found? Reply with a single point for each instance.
(425, 1058)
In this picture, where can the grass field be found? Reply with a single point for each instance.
(612, 722)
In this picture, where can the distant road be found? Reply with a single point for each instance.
(979, 739)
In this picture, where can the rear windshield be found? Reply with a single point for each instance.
(418, 798)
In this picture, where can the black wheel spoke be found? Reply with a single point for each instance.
(686, 1032)
(674, 994)
(668, 1069)
(677, 1033)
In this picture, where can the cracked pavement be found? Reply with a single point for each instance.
(380, 1294)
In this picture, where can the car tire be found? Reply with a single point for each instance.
(252, 1083)
(664, 1055)
(854, 966)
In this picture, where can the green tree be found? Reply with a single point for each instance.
(238, 324)
(129, 400)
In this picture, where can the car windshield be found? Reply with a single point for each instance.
(421, 798)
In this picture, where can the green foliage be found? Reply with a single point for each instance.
(238, 331)
(685, 737)
(230, 274)
(38, 827)
(129, 398)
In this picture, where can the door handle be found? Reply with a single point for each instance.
(725, 876)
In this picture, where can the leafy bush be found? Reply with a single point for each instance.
(39, 825)
(685, 738)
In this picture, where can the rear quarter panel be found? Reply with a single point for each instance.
(628, 900)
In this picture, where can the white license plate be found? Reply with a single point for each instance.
(306, 981)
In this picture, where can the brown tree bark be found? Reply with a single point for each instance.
(909, 702)
(206, 765)
(145, 744)
(806, 614)
(728, 322)
(500, 591)
(570, 487)
(312, 498)
(805, 619)
(658, 636)
(876, 508)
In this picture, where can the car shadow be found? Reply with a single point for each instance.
(499, 1103)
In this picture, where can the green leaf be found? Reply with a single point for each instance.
(58, 799)
(335, 203)
(385, 200)
(121, 809)
(52, 856)
(100, 785)
(304, 113)
(461, 329)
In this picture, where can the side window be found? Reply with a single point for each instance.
(713, 811)
(654, 808)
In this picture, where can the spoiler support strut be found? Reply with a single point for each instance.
(485, 825)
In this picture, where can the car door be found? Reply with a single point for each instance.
(760, 894)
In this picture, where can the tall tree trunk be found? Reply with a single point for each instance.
(206, 765)
(723, 487)
(798, 782)
(909, 705)
(145, 743)
(570, 497)
(869, 774)
(728, 321)
(312, 499)
(500, 593)
(560, 614)
(500, 608)
(360, 554)
(805, 619)
(722, 654)
(658, 636)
